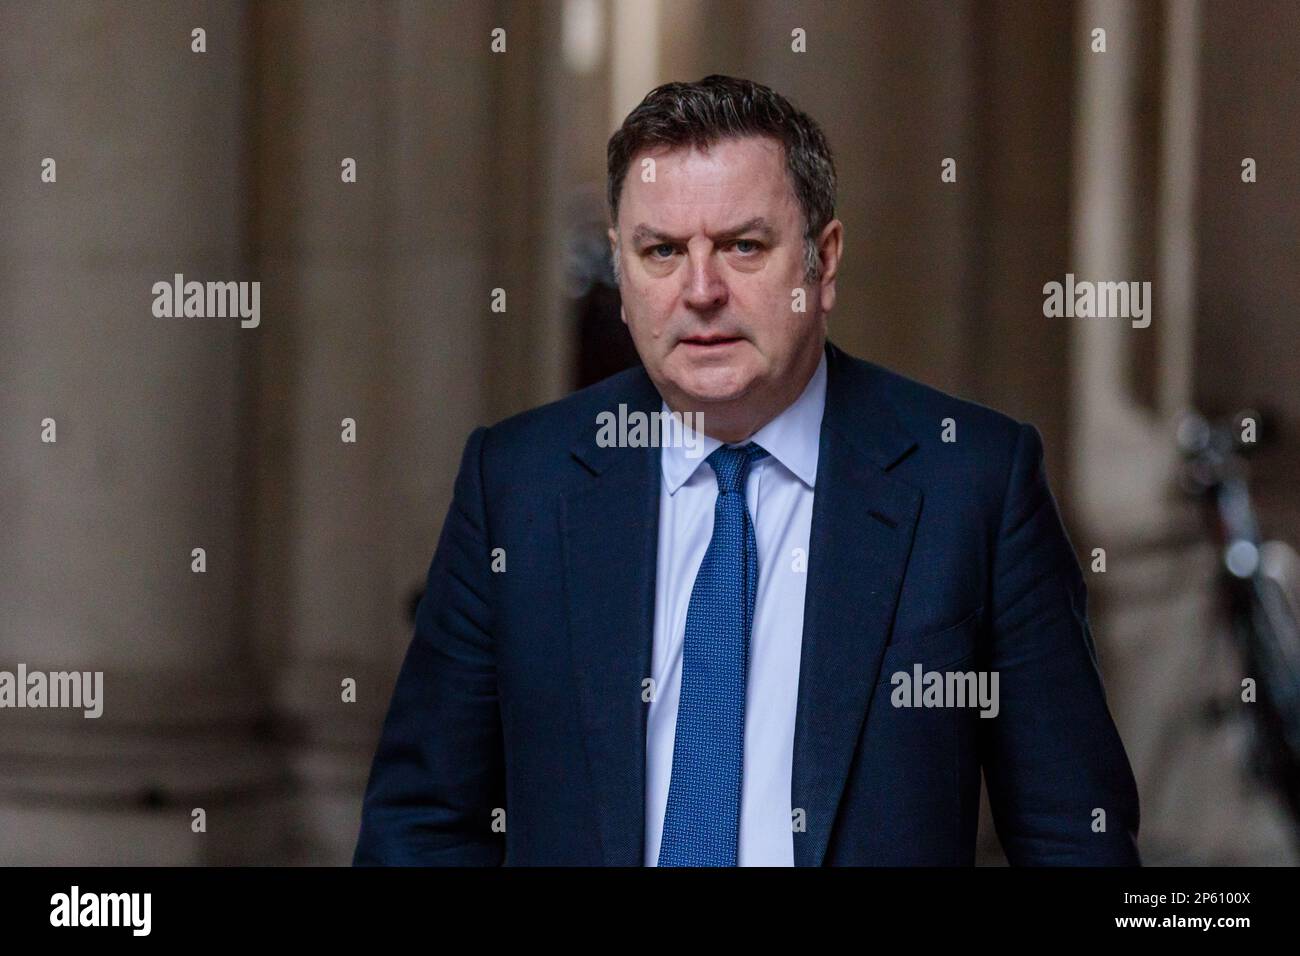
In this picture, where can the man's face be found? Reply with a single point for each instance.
(711, 253)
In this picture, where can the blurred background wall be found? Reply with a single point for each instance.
(481, 170)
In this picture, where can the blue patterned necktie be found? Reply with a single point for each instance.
(702, 819)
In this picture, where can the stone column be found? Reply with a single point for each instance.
(148, 141)
(378, 294)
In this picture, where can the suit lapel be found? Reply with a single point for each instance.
(610, 526)
(862, 527)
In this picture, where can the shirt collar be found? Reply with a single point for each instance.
(793, 438)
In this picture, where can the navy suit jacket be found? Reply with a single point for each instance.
(519, 702)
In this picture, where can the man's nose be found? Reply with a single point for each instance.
(706, 290)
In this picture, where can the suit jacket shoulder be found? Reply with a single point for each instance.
(930, 438)
(538, 441)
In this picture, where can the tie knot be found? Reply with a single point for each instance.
(731, 465)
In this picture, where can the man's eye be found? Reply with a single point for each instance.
(745, 246)
(661, 251)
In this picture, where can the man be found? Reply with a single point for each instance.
(701, 653)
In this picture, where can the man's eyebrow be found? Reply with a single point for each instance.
(758, 224)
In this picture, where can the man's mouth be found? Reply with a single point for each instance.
(711, 341)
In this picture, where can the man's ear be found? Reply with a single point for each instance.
(613, 254)
(830, 247)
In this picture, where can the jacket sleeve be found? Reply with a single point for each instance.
(438, 774)
(1060, 786)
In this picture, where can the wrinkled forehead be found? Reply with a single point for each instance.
(676, 187)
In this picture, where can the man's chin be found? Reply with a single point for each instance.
(712, 381)
(711, 391)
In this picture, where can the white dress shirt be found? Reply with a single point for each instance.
(779, 493)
